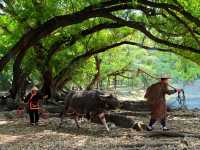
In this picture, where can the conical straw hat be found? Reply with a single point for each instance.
(165, 76)
(34, 88)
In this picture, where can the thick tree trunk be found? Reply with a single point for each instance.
(45, 69)
(24, 83)
(19, 85)
(47, 83)
(96, 78)
(19, 77)
(15, 83)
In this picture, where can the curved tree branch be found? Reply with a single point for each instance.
(185, 25)
(141, 27)
(177, 8)
(73, 38)
(60, 78)
(157, 27)
(97, 10)
(34, 35)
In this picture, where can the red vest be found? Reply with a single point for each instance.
(33, 105)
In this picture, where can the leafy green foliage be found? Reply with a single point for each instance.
(19, 16)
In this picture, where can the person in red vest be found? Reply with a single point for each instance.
(33, 105)
(155, 95)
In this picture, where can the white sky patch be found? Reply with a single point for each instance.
(2, 3)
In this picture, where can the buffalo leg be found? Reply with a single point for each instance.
(76, 120)
(88, 116)
(62, 114)
(103, 120)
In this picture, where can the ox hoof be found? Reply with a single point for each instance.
(108, 130)
(139, 126)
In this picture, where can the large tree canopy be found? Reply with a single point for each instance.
(54, 38)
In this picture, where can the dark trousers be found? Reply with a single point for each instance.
(162, 122)
(34, 116)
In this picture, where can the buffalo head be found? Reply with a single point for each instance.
(110, 101)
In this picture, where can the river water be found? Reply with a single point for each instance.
(192, 93)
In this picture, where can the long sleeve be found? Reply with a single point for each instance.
(147, 93)
(169, 92)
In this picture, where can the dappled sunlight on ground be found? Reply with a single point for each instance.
(8, 138)
(2, 122)
(18, 134)
(136, 95)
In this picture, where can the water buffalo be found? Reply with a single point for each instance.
(89, 103)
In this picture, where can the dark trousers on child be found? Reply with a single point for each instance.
(34, 116)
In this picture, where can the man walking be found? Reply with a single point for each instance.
(155, 96)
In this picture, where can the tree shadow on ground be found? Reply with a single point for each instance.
(19, 127)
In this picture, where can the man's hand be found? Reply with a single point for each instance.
(178, 90)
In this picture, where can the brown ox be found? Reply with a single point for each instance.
(87, 103)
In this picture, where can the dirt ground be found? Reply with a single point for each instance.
(16, 133)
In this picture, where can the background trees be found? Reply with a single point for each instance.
(54, 43)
